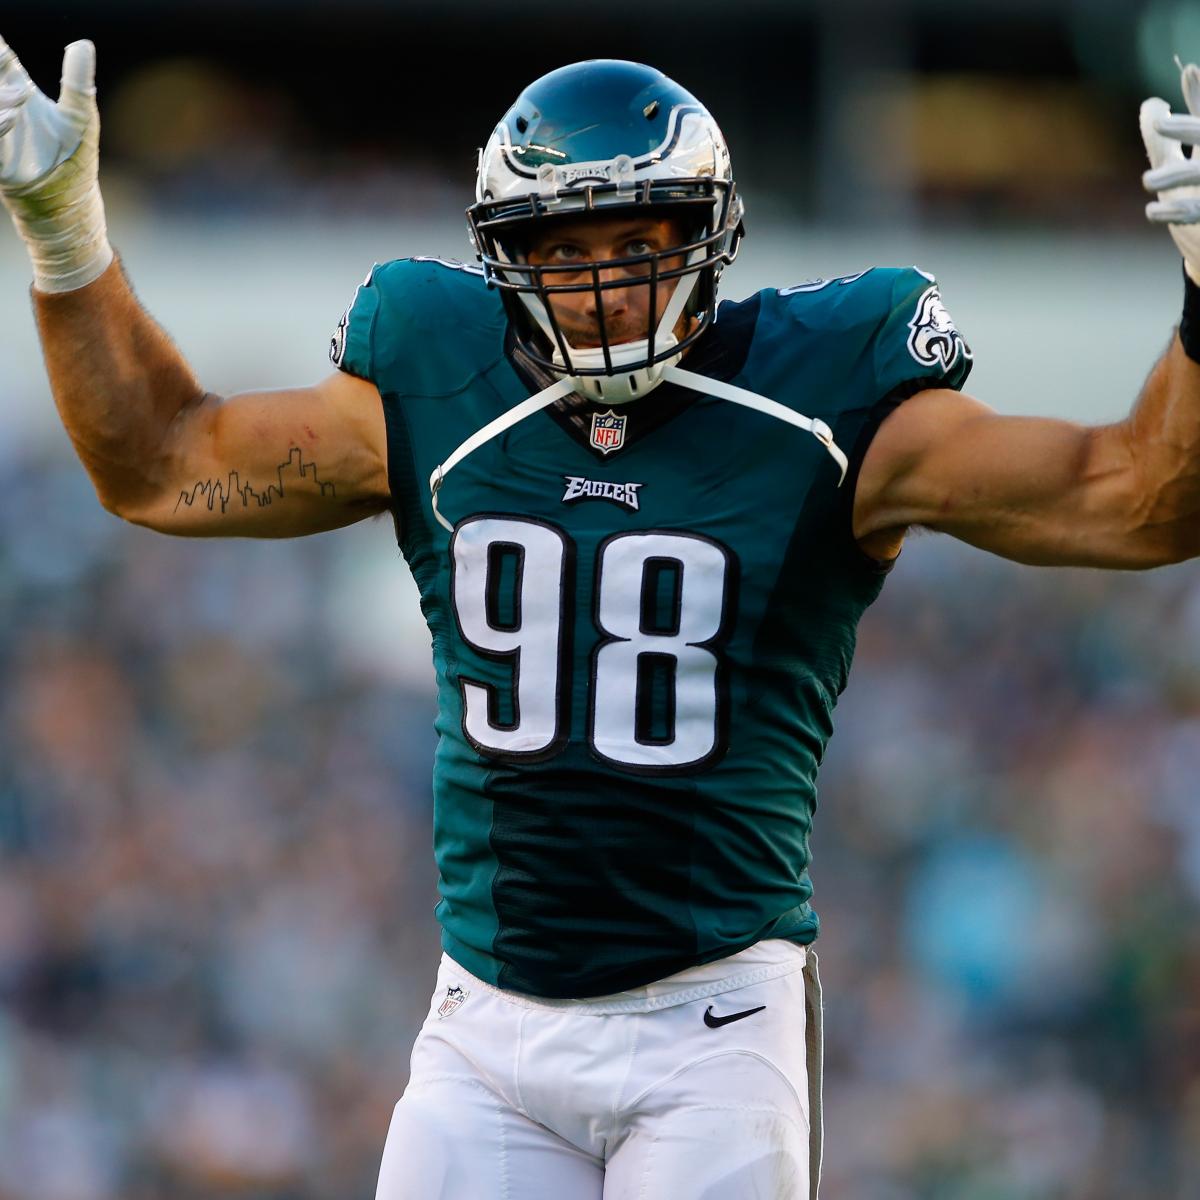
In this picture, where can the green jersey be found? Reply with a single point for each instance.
(642, 619)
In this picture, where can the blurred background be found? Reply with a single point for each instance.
(216, 884)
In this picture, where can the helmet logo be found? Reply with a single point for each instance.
(608, 431)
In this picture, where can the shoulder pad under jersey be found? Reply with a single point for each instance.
(420, 326)
(882, 331)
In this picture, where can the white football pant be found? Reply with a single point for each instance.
(703, 1086)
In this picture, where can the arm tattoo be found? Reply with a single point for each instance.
(216, 492)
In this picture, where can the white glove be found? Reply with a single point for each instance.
(49, 165)
(1176, 179)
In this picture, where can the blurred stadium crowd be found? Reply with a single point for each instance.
(216, 883)
(216, 939)
(215, 908)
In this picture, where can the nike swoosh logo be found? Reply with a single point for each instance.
(716, 1022)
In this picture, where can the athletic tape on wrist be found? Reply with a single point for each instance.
(60, 218)
(1189, 323)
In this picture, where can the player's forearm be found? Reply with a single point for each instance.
(119, 384)
(1163, 431)
(1163, 437)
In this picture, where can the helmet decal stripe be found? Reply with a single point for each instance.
(507, 148)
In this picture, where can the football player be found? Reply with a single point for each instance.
(644, 527)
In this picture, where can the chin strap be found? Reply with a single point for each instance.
(504, 421)
(685, 379)
(772, 408)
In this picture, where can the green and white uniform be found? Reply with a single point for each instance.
(642, 620)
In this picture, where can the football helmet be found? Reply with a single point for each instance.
(606, 136)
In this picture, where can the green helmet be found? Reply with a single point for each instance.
(605, 136)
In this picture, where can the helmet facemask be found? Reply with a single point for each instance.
(620, 368)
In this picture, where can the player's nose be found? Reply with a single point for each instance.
(613, 301)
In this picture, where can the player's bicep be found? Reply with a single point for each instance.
(272, 464)
(1034, 489)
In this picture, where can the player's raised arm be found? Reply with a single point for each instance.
(164, 453)
(160, 450)
(1052, 492)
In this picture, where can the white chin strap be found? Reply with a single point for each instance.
(621, 386)
(671, 374)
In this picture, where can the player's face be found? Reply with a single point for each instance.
(579, 242)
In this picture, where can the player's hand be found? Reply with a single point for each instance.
(49, 168)
(1175, 178)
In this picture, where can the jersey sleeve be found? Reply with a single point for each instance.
(857, 340)
(420, 327)
(917, 344)
(351, 347)
(850, 350)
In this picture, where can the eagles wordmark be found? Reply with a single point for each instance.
(579, 488)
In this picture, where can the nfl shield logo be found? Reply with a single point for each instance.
(608, 431)
(453, 1000)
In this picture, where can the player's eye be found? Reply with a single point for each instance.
(564, 252)
(637, 246)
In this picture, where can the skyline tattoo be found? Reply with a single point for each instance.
(213, 489)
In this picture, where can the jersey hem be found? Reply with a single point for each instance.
(790, 957)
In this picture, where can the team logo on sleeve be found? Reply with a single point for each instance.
(453, 1000)
(624, 494)
(337, 343)
(608, 431)
(933, 341)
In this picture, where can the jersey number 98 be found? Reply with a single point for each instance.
(655, 687)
